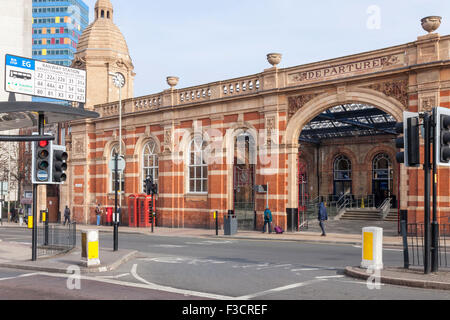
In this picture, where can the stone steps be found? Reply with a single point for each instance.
(368, 215)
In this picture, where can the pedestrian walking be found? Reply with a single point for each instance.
(323, 216)
(66, 215)
(267, 220)
(98, 213)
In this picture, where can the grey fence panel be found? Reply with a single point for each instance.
(55, 239)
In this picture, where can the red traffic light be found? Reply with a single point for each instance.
(43, 143)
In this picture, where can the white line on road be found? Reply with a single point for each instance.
(167, 246)
(274, 266)
(115, 277)
(175, 290)
(329, 277)
(384, 249)
(284, 288)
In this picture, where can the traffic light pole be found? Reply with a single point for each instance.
(35, 188)
(434, 224)
(426, 167)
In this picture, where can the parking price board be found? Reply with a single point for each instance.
(43, 79)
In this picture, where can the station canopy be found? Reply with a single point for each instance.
(17, 115)
(348, 120)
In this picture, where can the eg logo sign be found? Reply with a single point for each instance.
(26, 64)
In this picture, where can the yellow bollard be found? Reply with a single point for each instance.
(90, 248)
(30, 222)
(362, 203)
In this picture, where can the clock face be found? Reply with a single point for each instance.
(119, 80)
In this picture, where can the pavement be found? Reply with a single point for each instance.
(18, 255)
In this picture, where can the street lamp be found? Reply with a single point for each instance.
(119, 82)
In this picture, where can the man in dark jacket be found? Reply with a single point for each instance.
(323, 216)
(66, 215)
(267, 220)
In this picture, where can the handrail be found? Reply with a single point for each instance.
(385, 207)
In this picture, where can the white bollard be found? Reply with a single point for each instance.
(90, 248)
(372, 248)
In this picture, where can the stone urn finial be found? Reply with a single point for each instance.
(274, 58)
(172, 81)
(431, 24)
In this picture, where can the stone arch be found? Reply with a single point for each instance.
(228, 145)
(142, 141)
(139, 152)
(232, 133)
(320, 104)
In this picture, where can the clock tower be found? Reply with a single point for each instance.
(102, 51)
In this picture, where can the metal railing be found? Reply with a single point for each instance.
(55, 239)
(413, 244)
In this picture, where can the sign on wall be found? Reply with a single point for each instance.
(43, 79)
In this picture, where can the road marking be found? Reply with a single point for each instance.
(305, 269)
(284, 288)
(329, 277)
(175, 290)
(167, 246)
(274, 266)
(208, 242)
(115, 277)
(384, 249)
(164, 259)
(19, 276)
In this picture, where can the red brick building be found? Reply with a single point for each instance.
(319, 129)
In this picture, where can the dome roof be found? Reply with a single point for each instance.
(102, 37)
(103, 4)
(103, 34)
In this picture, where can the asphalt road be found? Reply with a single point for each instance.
(183, 268)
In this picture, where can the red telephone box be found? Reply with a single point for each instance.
(135, 203)
(146, 213)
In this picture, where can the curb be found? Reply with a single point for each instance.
(423, 284)
(98, 269)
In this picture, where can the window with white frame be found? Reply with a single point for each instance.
(198, 167)
(114, 151)
(150, 162)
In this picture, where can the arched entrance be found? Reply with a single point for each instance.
(332, 108)
(342, 176)
(382, 178)
(244, 180)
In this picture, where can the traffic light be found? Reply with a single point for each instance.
(400, 143)
(154, 188)
(41, 163)
(147, 185)
(443, 136)
(413, 141)
(59, 164)
(150, 187)
(410, 141)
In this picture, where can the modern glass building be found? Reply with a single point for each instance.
(57, 27)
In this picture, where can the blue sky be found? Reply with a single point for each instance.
(204, 41)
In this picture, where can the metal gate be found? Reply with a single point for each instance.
(303, 195)
(244, 196)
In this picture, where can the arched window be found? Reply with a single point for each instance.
(342, 173)
(114, 151)
(102, 13)
(150, 162)
(198, 168)
(382, 178)
(382, 167)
